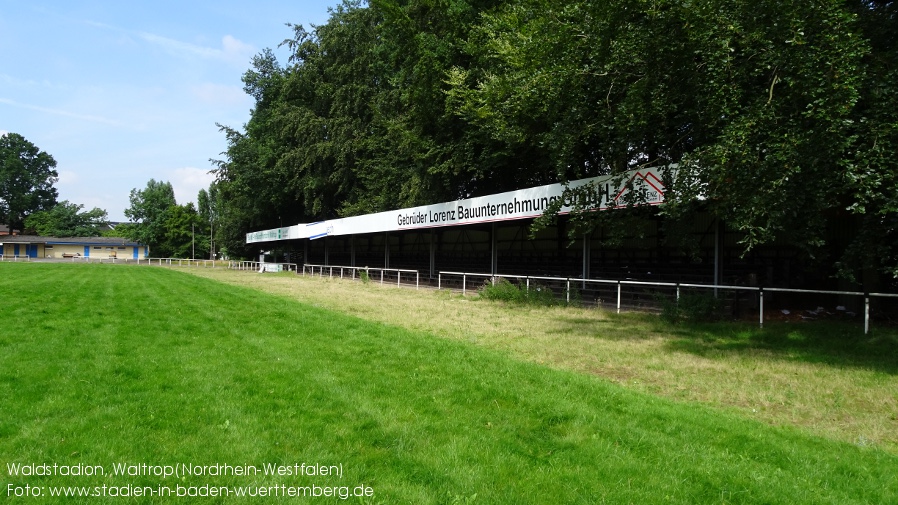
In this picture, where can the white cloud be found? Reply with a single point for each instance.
(29, 83)
(188, 181)
(68, 177)
(61, 112)
(220, 94)
(237, 51)
(232, 50)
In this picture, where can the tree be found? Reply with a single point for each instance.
(65, 219)
(27, 176)
(209, 204)
(148, 213)
(780, 114)
(180, 239)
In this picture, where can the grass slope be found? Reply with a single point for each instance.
(101, 364)
(827, 378)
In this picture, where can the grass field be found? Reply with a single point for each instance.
(423, 397)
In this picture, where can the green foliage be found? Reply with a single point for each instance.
(360, 121)
(147, 212)
(123, 230)
(779, 115)
(210, 207)
(692, 307)
(65, 219)
(27, 176)
(180, 234)
(503, 290)
(171, 230)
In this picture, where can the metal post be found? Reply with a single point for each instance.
(440, 280)
(586, 258)
(433, 261)
(761, 305)
(386, 251)
(618, 297)
(417, 280)
(568, 290)
(716, 256)
(398, 277)
(494, 253)
(463, 276)
(866, 313)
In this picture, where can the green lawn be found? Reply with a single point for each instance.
(109, 364)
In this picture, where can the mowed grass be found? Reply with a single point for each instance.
(826, 378)
(103, 364)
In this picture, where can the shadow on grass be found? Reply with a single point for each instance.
(836, 343)
(625, 326)
(830, 342)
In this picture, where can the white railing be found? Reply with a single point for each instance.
(14, 257)
(257, 266)
(179, 262)
(353, 271)
(617, 285)
(676, 285)
(229, 264)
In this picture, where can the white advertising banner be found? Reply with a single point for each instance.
(603, 193)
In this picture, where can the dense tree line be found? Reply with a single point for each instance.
(780, 115)
(27, 176)
(172, 230)
(28, 205)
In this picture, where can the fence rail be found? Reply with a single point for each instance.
(760, 290)
(614, 287)
(14, 257)
(357, 271)
(229, 264)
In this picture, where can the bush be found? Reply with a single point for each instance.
(506, 291)
(690, 307)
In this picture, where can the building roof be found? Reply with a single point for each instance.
(34, 239)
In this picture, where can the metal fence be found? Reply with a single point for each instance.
(11, 257)
(643, 295)
(229, 264)
(608, 293)
(385, 274)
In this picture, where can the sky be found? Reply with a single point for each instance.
(121, 92)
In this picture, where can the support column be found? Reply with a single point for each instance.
(716, 256)
(433, 257)
(326, 252)
(386, 249)
(587, 249)
(352, 250)
(494, 251)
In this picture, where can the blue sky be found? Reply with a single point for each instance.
(121, 92)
